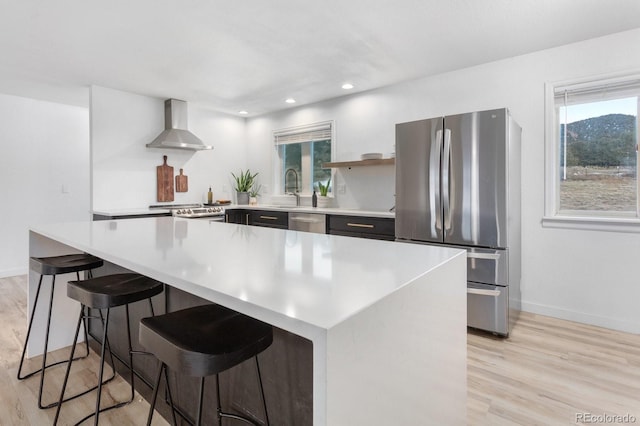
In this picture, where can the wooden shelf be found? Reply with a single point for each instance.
(378, 162)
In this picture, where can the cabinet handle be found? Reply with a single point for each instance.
(226, 218)
(246, 219)
(269, 217)
(360, 225)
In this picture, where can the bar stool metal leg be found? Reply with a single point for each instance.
(154, 397)
(200, 398)
(161, 367)
(102, 349)
(58, 404)
(264, 401)
(46, 343)
(66, 376)
(222, 414)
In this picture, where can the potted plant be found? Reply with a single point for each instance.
(323, 189)
(254, 193)
(244, 182)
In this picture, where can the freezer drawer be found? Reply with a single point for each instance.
(488, 308)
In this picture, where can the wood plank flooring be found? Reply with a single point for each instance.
(549, 372)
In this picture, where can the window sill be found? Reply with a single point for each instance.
(609, 224)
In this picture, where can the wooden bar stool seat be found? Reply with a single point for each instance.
(204, 341)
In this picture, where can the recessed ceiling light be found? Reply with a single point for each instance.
(347, 86)
(243, 112)
(290, 101)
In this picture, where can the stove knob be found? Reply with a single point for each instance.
(178, 211)
(188, 211)
(218, 209)
(209, 210)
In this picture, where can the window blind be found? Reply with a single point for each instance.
(593, 91)
(305, 133)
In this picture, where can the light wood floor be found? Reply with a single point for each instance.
(547, 373)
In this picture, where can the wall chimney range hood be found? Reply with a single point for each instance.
(176, 135)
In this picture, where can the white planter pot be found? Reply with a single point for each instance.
(324, 201)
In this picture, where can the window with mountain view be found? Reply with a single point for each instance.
(597, 140)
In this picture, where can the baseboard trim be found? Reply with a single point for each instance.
(13, 272)
(581, 317)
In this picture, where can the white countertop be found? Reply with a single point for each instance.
(292, 209)
(301, 282)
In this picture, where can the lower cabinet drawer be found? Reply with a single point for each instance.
(370, 227)
(271, 219)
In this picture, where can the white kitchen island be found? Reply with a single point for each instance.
(387, 320)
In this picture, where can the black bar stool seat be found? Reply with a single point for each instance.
(57, 265)
(114, 290)
(53, 265)
(108, 292)
(204, 341)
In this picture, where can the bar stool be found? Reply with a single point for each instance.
(105, 293)
(204, 341)
(54, 265)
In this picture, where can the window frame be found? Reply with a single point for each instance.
(278, 163)
(588, 220)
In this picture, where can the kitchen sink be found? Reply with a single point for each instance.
(274, 206)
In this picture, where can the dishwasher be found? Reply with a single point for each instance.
(308, 222)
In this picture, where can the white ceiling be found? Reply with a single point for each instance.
(253, 54)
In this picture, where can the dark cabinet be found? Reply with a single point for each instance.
(380, 228)
(269, 218)
(237, 216)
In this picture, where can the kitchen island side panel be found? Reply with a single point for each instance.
(422, 362)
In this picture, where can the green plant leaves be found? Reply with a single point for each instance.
(244, 181)
(324, 189)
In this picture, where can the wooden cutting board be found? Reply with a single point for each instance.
(165, 181)
(182, 183)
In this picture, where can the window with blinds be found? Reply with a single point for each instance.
(301, 151)
(596, 143)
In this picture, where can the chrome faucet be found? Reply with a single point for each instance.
(295, 190)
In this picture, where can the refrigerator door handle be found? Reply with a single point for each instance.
(434, 181)
(446, 178)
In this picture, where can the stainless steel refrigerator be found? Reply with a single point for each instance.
(458, 184)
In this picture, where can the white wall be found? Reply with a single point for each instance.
(44, 148)
(587, 276)
(124, 169)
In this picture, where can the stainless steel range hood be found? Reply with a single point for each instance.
(176, 135)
